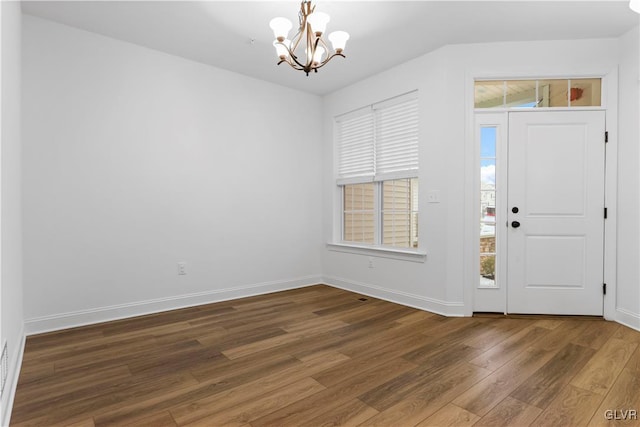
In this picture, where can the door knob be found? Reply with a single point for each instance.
(515, 224)
(515, 209)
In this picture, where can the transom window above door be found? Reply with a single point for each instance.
(538, 93)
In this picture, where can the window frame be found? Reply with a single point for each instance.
(377, 179)
(377, 249)
(378, 212)
(513, 105)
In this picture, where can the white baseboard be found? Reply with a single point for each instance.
(445, 308)
(15, 365)
(628, 318)
(104, 314)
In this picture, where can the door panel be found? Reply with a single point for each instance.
(555, 171)
(563, 258)
(556, 180)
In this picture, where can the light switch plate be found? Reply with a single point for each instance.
(433, 196)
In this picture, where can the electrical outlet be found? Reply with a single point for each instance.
(371, 264)
(182, 268)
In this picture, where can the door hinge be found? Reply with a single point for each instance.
(606, 137)
(604, 289)
(605, 213)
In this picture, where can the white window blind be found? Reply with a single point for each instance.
(396, 124)
(356, 145)
(379, 142)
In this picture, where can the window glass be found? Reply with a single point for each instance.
(553, 93)
(358, 213)
(487, 270)
(488, 142)
(489, 94)
(585, 92)
(521, 94)
(540, 93)
(400, 213)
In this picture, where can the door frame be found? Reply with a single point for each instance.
(472, 184)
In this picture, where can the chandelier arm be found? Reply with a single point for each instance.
(311, 48)
(293, 57)
(294, 66)
(315, 47)
(291, 64)
(326, 48)
(296, 39)
(323, 63)
(301, 65)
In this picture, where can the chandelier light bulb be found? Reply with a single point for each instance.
(318, 22)
(282, 51)
(317, 56)
(339, 39)
(635, 5)
(281, 27)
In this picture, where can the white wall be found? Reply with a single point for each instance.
(419, 284)
(135, 160)
(12, 329)
(628, 289)
(445, 82)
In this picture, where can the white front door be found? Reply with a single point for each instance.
(555, 212)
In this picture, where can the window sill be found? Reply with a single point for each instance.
(412, 255)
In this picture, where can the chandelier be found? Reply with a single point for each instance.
(307, 51)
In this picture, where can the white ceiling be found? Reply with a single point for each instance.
(383, 33)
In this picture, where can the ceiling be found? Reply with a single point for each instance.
(235, 35)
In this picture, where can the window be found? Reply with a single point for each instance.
(378, 173)
(488, 142)
(538, 93)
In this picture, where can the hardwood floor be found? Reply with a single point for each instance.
(322, 356)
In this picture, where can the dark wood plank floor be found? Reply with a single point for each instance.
(323, 356)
